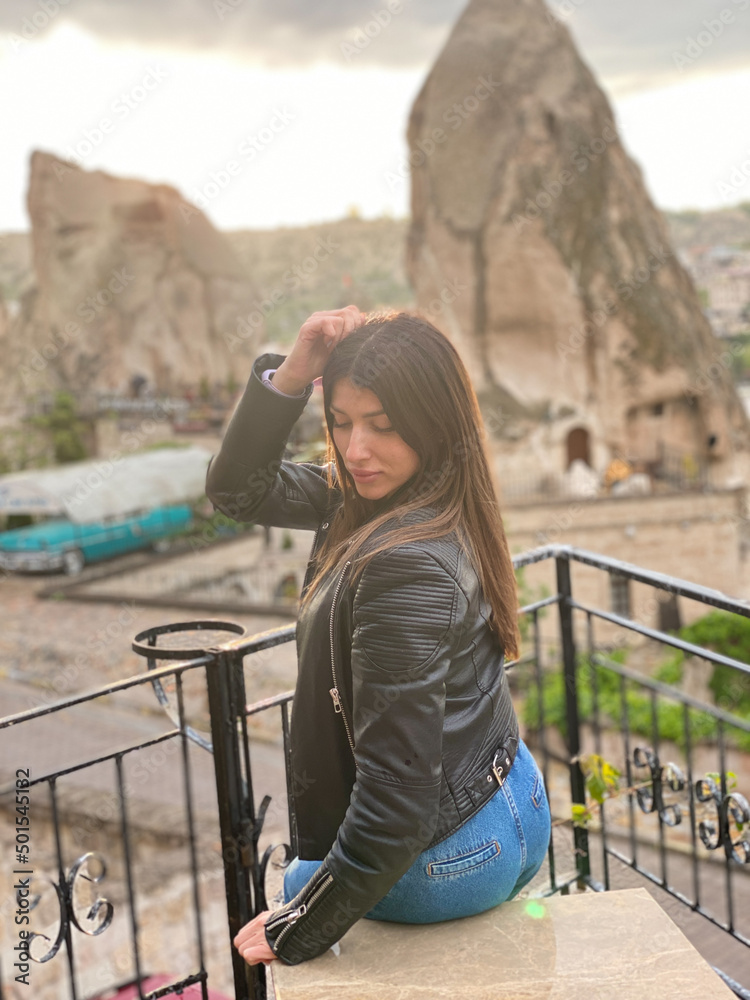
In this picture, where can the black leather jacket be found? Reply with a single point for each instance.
(402, 698)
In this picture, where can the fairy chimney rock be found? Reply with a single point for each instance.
(535, 246)
(132, 281)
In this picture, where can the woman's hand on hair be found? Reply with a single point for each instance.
(317, 337)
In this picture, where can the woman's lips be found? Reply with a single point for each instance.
(363, 477)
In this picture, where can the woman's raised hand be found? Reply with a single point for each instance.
(317, 337)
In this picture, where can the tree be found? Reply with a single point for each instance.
(65, 428)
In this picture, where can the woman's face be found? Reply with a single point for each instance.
(376, 456)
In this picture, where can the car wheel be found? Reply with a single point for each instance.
(73, 562)
(161, 545)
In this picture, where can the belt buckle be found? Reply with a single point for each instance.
(500, 768)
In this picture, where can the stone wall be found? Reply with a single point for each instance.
(699, 537)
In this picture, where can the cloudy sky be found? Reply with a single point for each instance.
(309, 101)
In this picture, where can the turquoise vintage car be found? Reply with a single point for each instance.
(62, 544)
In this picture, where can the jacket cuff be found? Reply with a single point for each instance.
(320, 914)
(266, 380)
(264, 366)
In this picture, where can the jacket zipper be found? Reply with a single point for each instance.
(291, 918)
(334, 692)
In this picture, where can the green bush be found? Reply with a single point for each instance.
(641, 709)
(729, 635)
(528, 595)
(65, 429)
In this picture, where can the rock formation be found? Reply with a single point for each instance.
(535, 246)
(132, 283)
(3, 323)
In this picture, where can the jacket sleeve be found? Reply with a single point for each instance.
(248, 479)
(405, 609)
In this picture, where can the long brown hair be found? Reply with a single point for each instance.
(425, 390)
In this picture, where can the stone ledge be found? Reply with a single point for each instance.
(617, 945)
(97, 810)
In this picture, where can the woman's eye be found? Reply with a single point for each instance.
(383, 430)
(339, 425)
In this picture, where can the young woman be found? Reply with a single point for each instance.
(414, 798)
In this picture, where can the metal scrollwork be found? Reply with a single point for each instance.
(96, 920)
(706, 790)
(261, 898)
(100, 907)
(261, 902)
(732, 807)
(651, 798)
(735, 807)
(55, 945)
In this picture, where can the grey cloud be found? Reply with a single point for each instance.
(621, 39)
(276, 32)
(643, 40)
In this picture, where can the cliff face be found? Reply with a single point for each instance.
(535, 246)
(131, 280)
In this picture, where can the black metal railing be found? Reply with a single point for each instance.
(587, 705)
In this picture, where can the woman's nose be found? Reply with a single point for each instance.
(357, 448)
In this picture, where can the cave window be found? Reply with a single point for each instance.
(619, 594)
(578, 446)
(658, 409)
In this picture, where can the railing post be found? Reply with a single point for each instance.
(226, 702)
(572, 720)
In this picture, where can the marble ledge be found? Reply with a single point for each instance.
(617, 945)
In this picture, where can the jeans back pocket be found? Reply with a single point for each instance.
(538, 793)
(463, 862)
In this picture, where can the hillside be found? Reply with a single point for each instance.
(327, 265)
(726, 227)
(360, 261)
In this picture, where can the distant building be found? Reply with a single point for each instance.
(723, 275)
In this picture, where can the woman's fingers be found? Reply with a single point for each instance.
(345, 321)
(352, 319)
(332, 326)
(318, 336)
(251, 941)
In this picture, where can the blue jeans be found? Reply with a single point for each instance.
(485, 862)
